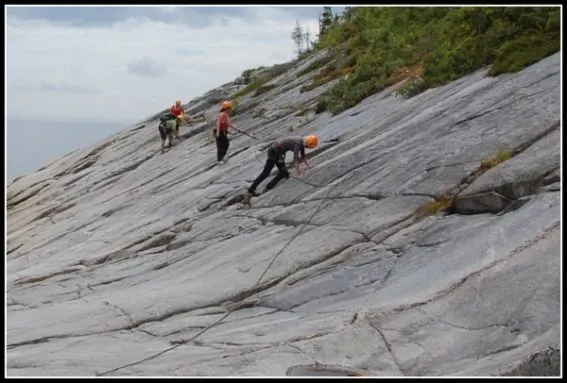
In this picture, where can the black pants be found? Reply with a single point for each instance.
(222, 145)
(274, 159)
(163, 131)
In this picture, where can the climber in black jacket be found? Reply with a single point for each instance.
(276, 157)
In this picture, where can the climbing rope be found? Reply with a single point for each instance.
(294, 236)
(230, 310)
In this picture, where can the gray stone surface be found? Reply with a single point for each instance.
(535, 167)
(122, 261)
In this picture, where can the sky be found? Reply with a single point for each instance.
(122, 64)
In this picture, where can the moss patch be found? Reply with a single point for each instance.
(255, 85)
(264, 89)
(501, 156)
(442, 204)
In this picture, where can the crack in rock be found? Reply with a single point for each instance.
(107, 282)
(132, 322)
(440, 320)
(128, 251)
(28, 193)
(39, 278)
(237, 297)
(513, 206)
(541, 363)
(499, 198)
(112, 211)
(388, 347)
(51, 212)
(10, 251)
(455, 285)
(323, 370)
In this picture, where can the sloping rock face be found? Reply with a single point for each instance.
(125, 261)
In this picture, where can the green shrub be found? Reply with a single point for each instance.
(321, 105)
(264, 89)
(255, 85)
(259, 113)
(303, 112)
(501, 156)
(448, 42)
(247, 74)
(329, 74)
(441, 204)
(258, 83)
(522, 52)
(412, 87)
(314, 66)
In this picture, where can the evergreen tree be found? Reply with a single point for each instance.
(307, 39)
(297, 37)
(325, 20)
(347, 13)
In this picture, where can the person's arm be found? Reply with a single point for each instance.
(304, 157)
(241, 131)
(297, 159)
(229, 124)
(297, 169)
(238, 130)
(217, 131)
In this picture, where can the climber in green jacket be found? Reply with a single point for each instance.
(169, 127)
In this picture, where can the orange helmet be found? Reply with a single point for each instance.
(226, 105)
(178, 102)
(311, 141)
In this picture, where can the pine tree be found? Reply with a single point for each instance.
(307, 39)
(325, 20)
(347, 13)
(297, 37)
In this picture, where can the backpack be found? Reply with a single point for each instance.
(166, 117)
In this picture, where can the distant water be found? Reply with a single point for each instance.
(31, 145)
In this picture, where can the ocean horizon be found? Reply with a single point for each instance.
(32, 144)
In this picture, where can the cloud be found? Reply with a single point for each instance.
(193, 16)
(59, 88)
(147, 67)
(66, 88)
(79, 51)
(189, 52)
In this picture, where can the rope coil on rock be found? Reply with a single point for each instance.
(230, 310)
